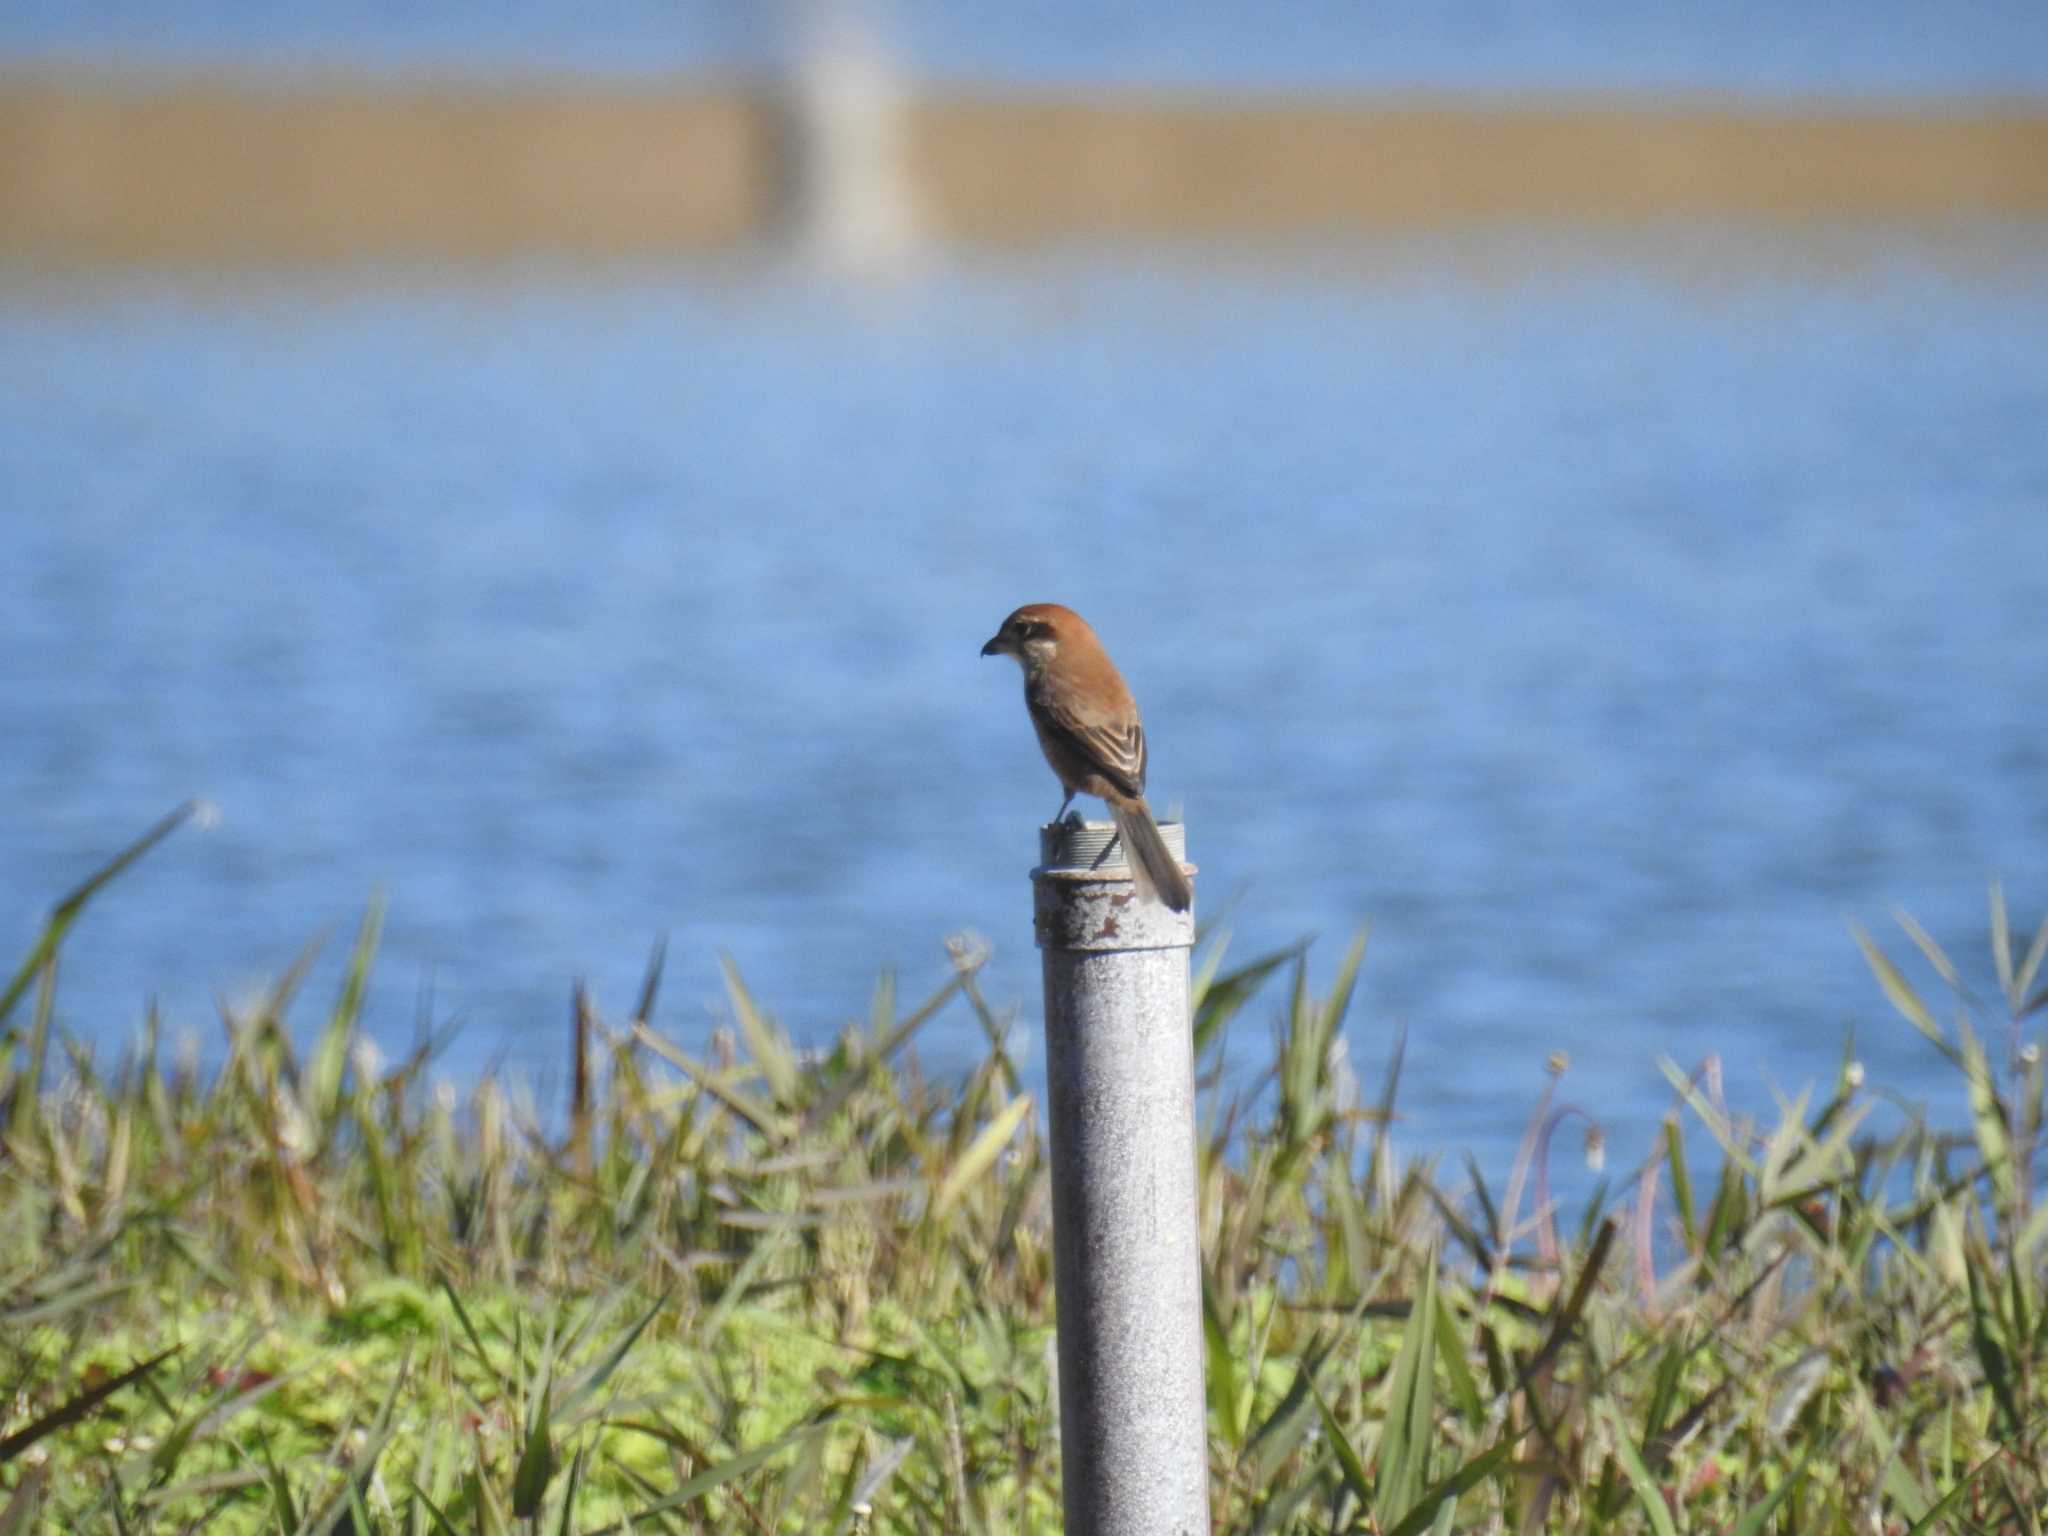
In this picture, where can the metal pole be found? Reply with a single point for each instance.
(1134, 1441)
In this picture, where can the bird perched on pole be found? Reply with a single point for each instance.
(1089, 730)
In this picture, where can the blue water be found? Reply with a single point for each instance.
(1608, 625)
(1821, 48)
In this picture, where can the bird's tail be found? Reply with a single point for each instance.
(1153, 865)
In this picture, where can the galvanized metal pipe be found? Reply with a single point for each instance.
(1126, 1255)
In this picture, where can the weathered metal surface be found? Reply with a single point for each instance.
(1120, 1070)
(1085, 900)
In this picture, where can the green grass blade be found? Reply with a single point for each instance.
(1945, 1505)
(1450, 1350)
(1348, 1462)
(980, 1155)
(1281, 1431)
(1228, 993)
(1228, 1406)
(1411, 1409)
(2001, 939)
(1648, 1494)
(1900, 993)
(2031, 965)
(693, 1489)
(585, 1385)
(442, 1523)
(769, 1047)
(329, 1061)
(537, 1451)
(1991, 1352)
(1439, 1502)
(1681, 1181)
(73, 902)
(1758, 1515)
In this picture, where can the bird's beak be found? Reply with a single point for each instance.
(995, 647)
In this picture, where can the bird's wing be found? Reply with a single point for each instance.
(1117, 752)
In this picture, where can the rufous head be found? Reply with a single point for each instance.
(1034, 633)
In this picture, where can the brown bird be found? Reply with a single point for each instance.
(1088, 728)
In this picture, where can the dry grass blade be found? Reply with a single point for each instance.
(76, 1408)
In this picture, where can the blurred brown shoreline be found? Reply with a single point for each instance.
(113, 168)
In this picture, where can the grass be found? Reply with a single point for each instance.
(759, 1289)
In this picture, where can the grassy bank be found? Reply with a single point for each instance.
(760, 1289)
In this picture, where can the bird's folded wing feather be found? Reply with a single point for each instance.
(1117, 752)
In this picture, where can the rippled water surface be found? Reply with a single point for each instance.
(1609, 627)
